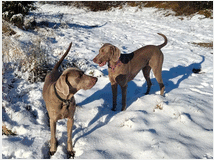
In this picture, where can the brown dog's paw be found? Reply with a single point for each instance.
(51, 153)
(147, 92)
(71, 154)
(54, 147)
(123, 109)
(113, 109)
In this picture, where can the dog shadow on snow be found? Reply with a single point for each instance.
(180, 71)
(133, 93)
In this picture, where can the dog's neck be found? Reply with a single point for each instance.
(124, 59)
(60, 96)
(113, 65)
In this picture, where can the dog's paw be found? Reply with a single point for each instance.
(71, 154)
(146, 93)
(123, 109)
(113, 109)
(53, 148)
(51, 153)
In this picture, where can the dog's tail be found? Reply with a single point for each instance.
(165, 42)
(61, 59)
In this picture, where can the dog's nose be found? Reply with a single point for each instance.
(95, 79)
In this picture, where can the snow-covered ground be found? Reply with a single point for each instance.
(178, 125)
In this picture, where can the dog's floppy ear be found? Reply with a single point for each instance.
(116, 53)
(61, 85)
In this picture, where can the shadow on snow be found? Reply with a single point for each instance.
(133, 92)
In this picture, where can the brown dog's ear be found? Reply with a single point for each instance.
(116, 53)
(61, 85)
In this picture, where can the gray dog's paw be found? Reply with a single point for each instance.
(52, 153)
(113, 109)
(71, 154)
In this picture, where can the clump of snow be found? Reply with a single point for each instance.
(94, 73)
(178, 125)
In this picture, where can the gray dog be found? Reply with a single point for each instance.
(122, 68)
(58, 94)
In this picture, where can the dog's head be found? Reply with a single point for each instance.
(72, 80)
(107, 53)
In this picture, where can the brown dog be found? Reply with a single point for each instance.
(122, 68)
(58, 94)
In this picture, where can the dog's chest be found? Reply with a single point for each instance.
(67, 111)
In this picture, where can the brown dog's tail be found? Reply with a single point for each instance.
(165, 42)
(61, 59)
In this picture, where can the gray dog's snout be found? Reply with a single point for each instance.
(95, 79)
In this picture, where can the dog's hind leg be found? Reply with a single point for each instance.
(146, 72)
(158, 76)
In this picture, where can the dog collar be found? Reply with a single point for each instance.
(117, 64)
(66, 101)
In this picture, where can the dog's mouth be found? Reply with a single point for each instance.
(99, 61)
(102, 64)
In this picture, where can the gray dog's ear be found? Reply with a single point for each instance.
(61, 85)
(116, 53)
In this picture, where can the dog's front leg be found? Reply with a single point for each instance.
(124, 90)
(53, 137)
(114, 96)
(70, 122)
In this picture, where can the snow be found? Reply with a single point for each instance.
(178, 125)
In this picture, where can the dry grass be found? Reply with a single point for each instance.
(159, 106)
(206, 45)
(186, 8)
(7, 132)
(165, 5)
(207, 13)
(33, 58)
(38, 62)
(6, 28)
(11, 50)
